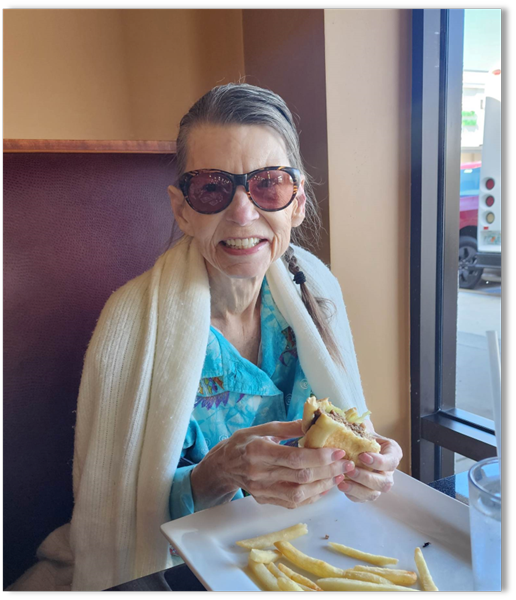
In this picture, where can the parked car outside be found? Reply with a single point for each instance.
(469, 274)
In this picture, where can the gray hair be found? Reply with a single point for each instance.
(245, 104)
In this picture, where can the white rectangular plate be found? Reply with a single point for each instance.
(411, 514)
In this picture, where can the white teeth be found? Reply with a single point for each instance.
(245, 243)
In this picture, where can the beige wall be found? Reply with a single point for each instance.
(113, 74)
(284, 51)
(174, 57)
(65, 75)
(368, 87)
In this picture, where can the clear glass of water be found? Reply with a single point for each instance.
(485, 514)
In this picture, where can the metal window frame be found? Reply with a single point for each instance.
(438, 428)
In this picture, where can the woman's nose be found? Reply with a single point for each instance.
(241, 210)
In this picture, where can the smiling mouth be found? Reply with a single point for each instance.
(243, 243)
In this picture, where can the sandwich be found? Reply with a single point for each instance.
(327, 426)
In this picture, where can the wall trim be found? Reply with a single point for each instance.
(93, 146)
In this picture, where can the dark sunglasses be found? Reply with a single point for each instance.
(209, 191)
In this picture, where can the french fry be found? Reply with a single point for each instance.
(305, 588)
(374, 559)
(275, 571)
(287, 585)
(335, 584)
(427, 583)
(362, 576)
(264, 577)
(266, 541)
(312, 565)
(396, 576)
(264, 556)
(299, 578)
(280, 575)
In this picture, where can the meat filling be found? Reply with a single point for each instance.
(357, 428)
(317, 414)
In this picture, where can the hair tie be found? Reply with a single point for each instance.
(299, 278)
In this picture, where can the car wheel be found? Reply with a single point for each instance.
(469, 274)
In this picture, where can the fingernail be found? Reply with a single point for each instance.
(350, 466)
(338, 455)
(338, 479)
(344, 487)
(367, 459)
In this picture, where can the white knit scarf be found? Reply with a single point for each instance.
(138, 387)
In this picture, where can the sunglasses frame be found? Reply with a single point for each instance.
(236, 180)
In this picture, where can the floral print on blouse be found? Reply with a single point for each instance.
(235, 393)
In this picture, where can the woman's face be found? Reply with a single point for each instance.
(238, 149)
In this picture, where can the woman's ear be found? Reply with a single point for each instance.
(179, 209)
(298, 214)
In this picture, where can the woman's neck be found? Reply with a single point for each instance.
(233, 299)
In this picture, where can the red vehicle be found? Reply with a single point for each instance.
(469, 273)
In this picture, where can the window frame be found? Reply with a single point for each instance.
(438, 428)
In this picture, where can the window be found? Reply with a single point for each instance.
(479, 293)
(445, 120)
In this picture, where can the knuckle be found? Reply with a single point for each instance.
(387, 485)
(304, 475)
(252, 472)
(294, 460)
(298, 497)
(237, 436)
(251, 487)
(295, 496)
(252, 452)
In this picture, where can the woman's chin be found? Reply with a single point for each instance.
(243, 272)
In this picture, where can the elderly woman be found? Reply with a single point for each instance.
(199, 368)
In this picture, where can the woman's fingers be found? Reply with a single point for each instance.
(364, 485)
(299, 458)
(387, 459)
(309, 474)
(378, 482)
(292, 496)
(357, 492)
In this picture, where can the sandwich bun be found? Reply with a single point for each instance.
(323, 427)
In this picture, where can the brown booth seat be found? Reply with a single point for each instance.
(76, 227)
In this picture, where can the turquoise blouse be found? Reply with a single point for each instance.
(235, 393)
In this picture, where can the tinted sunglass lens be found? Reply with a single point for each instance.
(210, 192)
(271, 190)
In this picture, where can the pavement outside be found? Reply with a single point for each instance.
(479, 310)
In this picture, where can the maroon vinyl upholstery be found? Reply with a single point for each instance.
(76, 227)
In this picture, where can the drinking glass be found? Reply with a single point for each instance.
(485, 514)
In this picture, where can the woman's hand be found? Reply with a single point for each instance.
(362, 485)
(253, 459)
